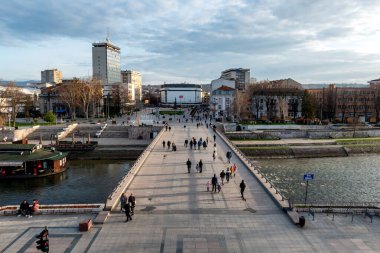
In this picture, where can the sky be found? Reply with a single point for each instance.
(320, 41)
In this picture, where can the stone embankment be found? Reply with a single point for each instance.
(305, 148)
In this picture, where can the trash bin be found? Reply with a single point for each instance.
(302, 221)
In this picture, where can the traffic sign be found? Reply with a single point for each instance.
(308, 177)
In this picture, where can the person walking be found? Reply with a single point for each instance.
(233, 170)
(127, 209)
(168, 144)
(197, 167)
(166, 128)
(204, 145)
(242, 188)
(214, 137)
(170, 128)
(163, 144)
(200, 166)
(199, 144)
(191, 144)
(228, 173)
(222, 175)
(229, 156)
(214, 182)
(207, 140)
(188, 163)
(214, 155)
(123, 200)
(132, 203)
(208, 184)
(186, 142)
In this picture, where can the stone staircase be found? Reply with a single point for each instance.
(46, 132)
(115, 132)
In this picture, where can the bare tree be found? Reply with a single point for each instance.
(14, 99)
(69, 94)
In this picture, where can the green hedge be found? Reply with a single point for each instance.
(171, 112)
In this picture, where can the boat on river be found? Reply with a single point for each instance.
(19, 161)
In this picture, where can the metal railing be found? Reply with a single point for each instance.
(250, 165)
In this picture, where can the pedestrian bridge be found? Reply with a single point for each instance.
(160, 180)
(175, 213)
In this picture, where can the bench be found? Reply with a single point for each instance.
(368, 214)
(311, 212)
(85, 225)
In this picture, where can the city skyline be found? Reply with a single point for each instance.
(193, 41)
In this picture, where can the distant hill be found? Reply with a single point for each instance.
(323, 85)
(28, 83)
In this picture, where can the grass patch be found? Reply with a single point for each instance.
(172, 112)
(21, 124)
(362, 145)
(253, 139)
(266, 148)
(357, 140)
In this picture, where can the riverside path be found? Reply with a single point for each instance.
(175, 213)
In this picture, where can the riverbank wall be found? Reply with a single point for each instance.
(110, 152)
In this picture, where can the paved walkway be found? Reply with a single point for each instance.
(175, 213)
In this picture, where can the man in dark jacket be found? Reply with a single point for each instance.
(242, 188)
(132, 203)
(188, 163)
(214, 182)
(127, 209)
(24, 209)
(229, 155)
(222, 175)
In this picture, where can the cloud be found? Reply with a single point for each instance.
(173, 39)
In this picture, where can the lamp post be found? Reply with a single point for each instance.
(9, 120)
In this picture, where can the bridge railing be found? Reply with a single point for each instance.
(113, 198)
(277, 195)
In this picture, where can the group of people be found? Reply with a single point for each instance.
(230, 172)
(194, 143)
(128, 205)
(169, 144)
(198, 167)
(28, 210)
(217, 186)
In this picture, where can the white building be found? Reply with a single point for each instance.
(106, 64)
(133, 78)
(183, 93)
(222, 102)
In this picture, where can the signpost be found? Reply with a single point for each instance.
(307, 177)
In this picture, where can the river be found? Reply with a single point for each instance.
(84, 182)
(337, 180)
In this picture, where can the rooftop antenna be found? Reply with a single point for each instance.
(108, 35)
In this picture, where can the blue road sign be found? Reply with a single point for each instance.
(308, 177)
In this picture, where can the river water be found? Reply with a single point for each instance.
(84, 182)
(337, 180)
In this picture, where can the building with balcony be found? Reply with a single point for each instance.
(134, 79)
(106, 64)
(51, 76)
(222, 102)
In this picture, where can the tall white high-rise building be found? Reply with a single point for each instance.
(106, 64)
(134, 78)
